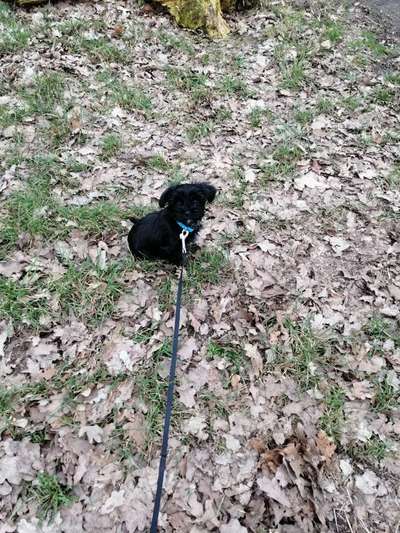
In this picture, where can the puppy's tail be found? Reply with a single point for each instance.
(134, 220)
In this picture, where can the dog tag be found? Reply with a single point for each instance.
(182, 237)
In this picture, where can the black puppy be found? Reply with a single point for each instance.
(156, 236)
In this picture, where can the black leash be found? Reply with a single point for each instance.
(170, 394)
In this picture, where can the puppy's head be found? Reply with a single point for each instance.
(186, 203)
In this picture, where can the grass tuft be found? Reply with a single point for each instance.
(231, 86)
(233, 355)
(88, 291)
(19, 303)
(50, 495)
(101, 49)
(47, 92)
(386, 397)
(208, 267)
(374, 449)
(332, 419)
(158, 162)
(111, 144)
(307, 354)
(14, 36)
(200, 130)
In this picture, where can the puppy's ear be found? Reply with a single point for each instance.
(167, 195)
(208, 191)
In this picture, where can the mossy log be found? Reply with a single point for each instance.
(197, 14)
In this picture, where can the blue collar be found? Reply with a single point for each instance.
(184, 227)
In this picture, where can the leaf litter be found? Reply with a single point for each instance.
(287, 397)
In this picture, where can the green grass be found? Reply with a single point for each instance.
(130, 98)
(111, 145)
(393, 78)
(369, 42)
(176, 176)
(144, 335)
(39, 437)
(374, 449)
(290, 27)
(332, 419)
(215, 406)
(382, 96)
(333, 31)
(14, 36)
(257, 115)
(69, 380)
(176, 42)
(239, 188)
(20, 302)
(274, 170)
(6, 403)
(282, 162)
(101, 49)
(307, 354)
(75, 166)
(45, 94)
(351, 103)
(58, 131)
(88, 291)
(222, 114)
(34, 211)
(152, 390)
(50, 495)
(247, 236)
(186, 80)
(11, 116)
(72, 27)
(165, 295)
(381, 329)
(292, 74)
(304, 116)
(234, 356)
(199, 131)
(159, 163)
(378, 328)
(233, 86)
(325, 106)
(27, 213)
(239, 62)
(96, 218)
(121, 444)
(386, 398)
(85, 290)
(392, 179)
(208, 267)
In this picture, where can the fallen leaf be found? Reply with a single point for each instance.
(93, 433)
(116, 499)
(368, 482)
(233, 526)
(325, 445)
(273, 490)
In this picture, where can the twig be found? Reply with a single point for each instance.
(363, 525)
(336, 524)
(348, 523)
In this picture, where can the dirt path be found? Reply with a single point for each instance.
(388, 10)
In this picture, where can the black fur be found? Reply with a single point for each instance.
(156, 236)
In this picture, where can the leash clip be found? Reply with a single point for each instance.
(183, 237)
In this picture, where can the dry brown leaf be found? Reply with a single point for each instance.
(257, 444)
(325, 445)
(273, 490)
